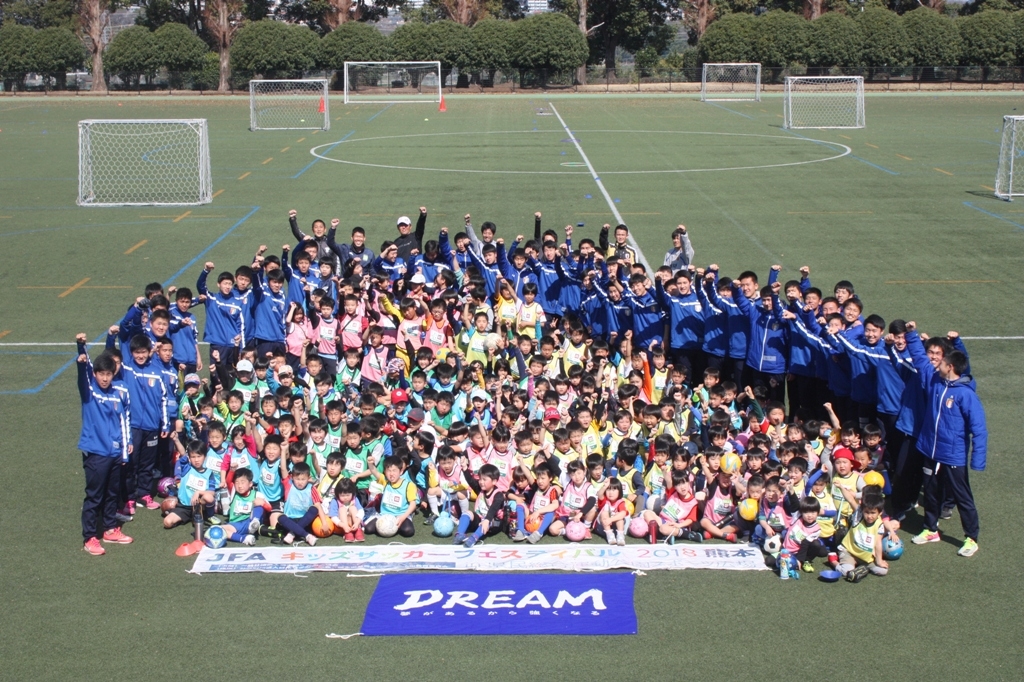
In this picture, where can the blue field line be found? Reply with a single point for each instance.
(804, 137)
(102, 337)
(729, 110)
(379, 112)
(313, 162)
(33, 352)
(994, 215)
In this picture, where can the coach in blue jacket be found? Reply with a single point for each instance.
(952, 435)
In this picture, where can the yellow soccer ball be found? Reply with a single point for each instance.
(731, 463)
(748, 509)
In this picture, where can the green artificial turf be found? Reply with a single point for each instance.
(907, 216)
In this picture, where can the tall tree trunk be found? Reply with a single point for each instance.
(609, 54)
(705, 15)
(224, 84)
(218, 15)
(93, 21)
(812, 9)
(581, 72)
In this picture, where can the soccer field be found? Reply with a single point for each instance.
(903, 208)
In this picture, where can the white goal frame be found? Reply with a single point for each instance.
(432, 97)
(1010, 149)
(823, 102)
(723, 79)
(144, 167)
(289, 104)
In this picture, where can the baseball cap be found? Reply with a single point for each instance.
(418, 279)
(396, 365)
(192, 379)
(479, 394)
(404, 220)
(244, 366)
(842, 453)
(416, 414)
(399, 396)
(285, 369)
(552, 413)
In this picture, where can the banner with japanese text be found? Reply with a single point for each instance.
(561, 556)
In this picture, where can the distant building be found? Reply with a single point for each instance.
(537, 6)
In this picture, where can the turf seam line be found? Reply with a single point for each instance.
(730, 110)
(600, 186)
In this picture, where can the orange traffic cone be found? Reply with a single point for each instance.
(442, 107)
(321, 110)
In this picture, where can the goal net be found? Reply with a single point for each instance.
(730, 82)
(392, 82)
(1011, 149)
(823, 102)
(157, 162)
(289, 105)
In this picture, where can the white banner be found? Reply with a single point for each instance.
(399, 557)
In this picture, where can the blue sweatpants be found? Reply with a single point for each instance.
(241, 528)
(521, 515)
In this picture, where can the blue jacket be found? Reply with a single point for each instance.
(889, 384)
(346, 253)
(912, 399)
(648, 322)
(863, 362)
(224, 320)
(837, 364)
(571, 273)
(737, 323)
(953, 420)
(296, 287)
(768, 344)
(621, 313)
(716, 325)
(549, 286)
(445, 248)
(598, 315)
(808, 353)
(271, 309)
(685, 318)
(517, 278)
(106, 415)
(185, 337)
(148, 390)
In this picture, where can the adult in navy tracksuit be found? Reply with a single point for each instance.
(807, 358)
(737, 327)
(905, 463)
(648, 319)
(271, 309)
(223, 329)
(598, 315)
(685, 323)
(768, 345)
(549, 284)
(862, 343)
(151, 420)
(953, 436)
(513, 266)
(716, 327)
(105, 442)
(572, 274)
(356, 251)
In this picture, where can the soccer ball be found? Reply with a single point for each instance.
(874, 478)
(638, 527)
(215, 537)
(731, 463)
(892, 549)
(323, 530)
(575, 531)
(163, 487)
(444, 525)
(748, 509)
(773, 545)
(168, 504)
(491, 341)
(532, 525)
(387, 525)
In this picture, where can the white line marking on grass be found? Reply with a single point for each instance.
(600, 186)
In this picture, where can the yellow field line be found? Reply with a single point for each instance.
(137, 246)
(942, 171)
(316, 132)
(5, 216)
(158, 216)
(268, 161)
(830, 212)
(990, 189)
(4, 333)
(905, 158)
(243, 176)
(73, 287)
(846, 137)
(182, 216)
(299, 140)
(619, 214)
(285, 149)
(873, 146)
(217, 194)
(943, 281)
(765, 110)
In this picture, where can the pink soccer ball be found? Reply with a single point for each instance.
(575, 531)
(163, 487)
(638, 527)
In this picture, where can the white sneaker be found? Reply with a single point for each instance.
(311, 540)
(249, 540)
(610, 536)
(288, 539)
(622, 538)
(254, 526)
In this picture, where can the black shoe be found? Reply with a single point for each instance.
(268, 532)
(429, 521)
(946, 513)
(694, 536)
(857, 574)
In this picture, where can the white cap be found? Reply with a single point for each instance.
(404, 220)
(418, 278)
(244, 366)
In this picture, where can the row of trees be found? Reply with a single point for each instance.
(876, 37)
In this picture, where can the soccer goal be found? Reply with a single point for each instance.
(289, 105)
(1011, 149)
(392, 82)
(823, 102)
(155, 162)
(730, 82)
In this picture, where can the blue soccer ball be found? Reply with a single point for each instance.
(444, 525)
(215, 537)
(892, 549)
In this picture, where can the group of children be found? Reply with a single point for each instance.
(539, 390)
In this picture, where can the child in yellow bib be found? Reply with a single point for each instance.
(860, 552)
